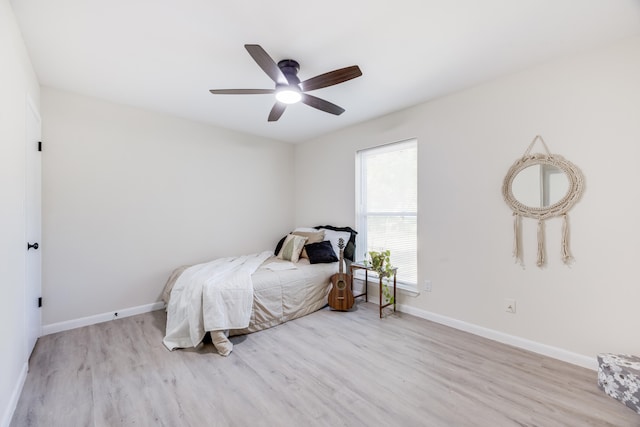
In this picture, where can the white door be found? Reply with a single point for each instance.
(34, 228)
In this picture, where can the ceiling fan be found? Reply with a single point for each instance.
(289, 89)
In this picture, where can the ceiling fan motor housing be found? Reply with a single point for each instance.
(290, 69)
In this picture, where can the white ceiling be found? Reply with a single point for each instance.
(165, 55)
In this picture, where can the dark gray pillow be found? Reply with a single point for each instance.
(321, 252)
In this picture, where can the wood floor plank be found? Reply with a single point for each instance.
(61, 365)
(326, 369)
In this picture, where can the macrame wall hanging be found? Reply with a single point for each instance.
(542, 186)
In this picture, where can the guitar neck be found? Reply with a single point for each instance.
(341, 246)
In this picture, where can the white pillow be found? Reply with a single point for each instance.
(307, 229)
(334, 237)
(291, 247)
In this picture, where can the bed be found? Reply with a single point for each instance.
(285, 284)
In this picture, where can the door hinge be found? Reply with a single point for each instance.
(39, 145)
(39, 302)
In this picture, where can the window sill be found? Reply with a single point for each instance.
(410, 290)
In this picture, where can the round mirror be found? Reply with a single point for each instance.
(542, 186)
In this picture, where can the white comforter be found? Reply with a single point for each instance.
(214, 296)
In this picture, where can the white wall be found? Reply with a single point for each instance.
(587, 108)
(128, 195)
(17, 82)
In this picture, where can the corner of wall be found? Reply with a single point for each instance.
(15, 396)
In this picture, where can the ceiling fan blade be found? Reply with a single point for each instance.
(265, 62)
(241, 91)
(276, 111)
(331, 78)
(321, 104)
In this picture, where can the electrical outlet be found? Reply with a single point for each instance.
(426, 286)
(510, 305)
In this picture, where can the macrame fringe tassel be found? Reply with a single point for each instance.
(540, 261)
(566, 253)
(517, 238)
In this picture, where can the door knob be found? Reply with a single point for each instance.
(34, 246)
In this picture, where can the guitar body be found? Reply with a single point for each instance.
(340, 295)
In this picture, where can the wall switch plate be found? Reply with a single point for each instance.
(426, 286)
(510, 305)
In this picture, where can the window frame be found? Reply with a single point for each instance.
(362, 216)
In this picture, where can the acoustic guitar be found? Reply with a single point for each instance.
(340, 295)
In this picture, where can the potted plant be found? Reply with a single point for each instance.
(381, 264)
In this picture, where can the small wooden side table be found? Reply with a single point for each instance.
(362, 266)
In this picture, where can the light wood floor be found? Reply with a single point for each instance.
(326, 369)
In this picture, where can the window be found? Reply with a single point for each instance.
(387, 205)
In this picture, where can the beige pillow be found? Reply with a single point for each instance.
(292, 247)
(312, 237)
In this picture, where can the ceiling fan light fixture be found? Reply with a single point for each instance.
(288, 95)
(289, 89)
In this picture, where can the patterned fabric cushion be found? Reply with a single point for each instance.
(291, 247)
(350, 242)
(619, 377)
(334, 237)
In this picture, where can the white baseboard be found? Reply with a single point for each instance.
(536, 347)
(99, 318)
(15, 396)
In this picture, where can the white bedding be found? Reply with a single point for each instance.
(281, 295)
(282, 291)
(213, 296)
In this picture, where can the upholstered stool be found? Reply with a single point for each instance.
(619, 377)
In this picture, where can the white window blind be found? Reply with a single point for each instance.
(387, 205)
